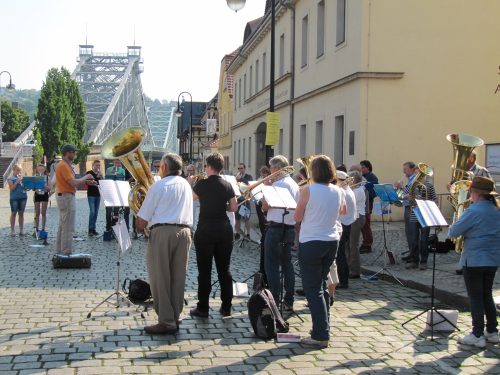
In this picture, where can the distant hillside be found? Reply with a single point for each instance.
(25, 99)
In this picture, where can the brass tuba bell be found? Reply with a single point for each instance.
(126, 146)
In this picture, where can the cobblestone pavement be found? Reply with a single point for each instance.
(44, 330)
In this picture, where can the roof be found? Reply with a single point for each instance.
(251, 27)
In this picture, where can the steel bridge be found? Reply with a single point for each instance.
(111, 89)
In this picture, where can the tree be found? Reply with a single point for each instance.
(61, 114)
(15, 120)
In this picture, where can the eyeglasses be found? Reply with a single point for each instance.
(241, 168)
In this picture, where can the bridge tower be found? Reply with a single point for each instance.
(111, 88)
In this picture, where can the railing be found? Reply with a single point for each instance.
(24, 150)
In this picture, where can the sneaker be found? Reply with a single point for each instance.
(198, 313)
(478, 342)
(237, 236)
(492, 337)
(412, 266)
(287, 306)
(423, 266)
(91, 233)
(225, 312)
(313, 342)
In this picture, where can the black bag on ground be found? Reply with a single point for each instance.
(71, 261)
(264, 315)
(137, 290)
(442, 246)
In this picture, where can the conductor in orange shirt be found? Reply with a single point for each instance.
(66, 183)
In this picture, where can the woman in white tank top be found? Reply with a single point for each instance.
(318, 210)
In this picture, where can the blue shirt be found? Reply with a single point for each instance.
(18, 192)
(371, 179)
(480, 226)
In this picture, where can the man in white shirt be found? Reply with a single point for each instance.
(346, 220)
(360, 194)
(168, 208)
(277, 255)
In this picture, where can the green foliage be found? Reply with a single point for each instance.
(25, 99)
(61, 114)
(38, 149)
(15, 121)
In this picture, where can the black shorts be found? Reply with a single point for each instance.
(41, 197)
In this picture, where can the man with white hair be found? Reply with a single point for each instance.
(280, 238)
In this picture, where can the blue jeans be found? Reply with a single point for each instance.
(479, 284)
(276, 255)
(94, 203)
(17, 205)
(315, 259)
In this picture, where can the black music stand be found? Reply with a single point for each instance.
(280, 198)
(115, 194)
(428, 215)
(387, 196)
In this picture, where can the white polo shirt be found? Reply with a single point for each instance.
(276, 214)
(350, 201)
(168, 201)
(360, 195)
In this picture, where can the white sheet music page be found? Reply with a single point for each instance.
(232, 180)
(279, 197)
(121, 234)
(114, 193)
(256, 191)
(431, 214)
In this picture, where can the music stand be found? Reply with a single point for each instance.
(115, 194)
(428, 215)
(280, 198)
(387, 196)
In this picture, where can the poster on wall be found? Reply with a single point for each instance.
(493, 159)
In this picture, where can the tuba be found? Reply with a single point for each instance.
(463, 145)
(125, 146)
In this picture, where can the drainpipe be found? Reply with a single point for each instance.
(292, 83)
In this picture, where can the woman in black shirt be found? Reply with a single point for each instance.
(213, 238)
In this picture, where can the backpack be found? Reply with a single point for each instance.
(138, 290)
(264, 315)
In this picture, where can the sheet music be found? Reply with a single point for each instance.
(232, 180)
(114, 193)
(256, 191)
(428, 214)
(386, 192)
(279, 197)
(121, 234)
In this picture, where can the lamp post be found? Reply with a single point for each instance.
(237, 5)
(178, 113)
(10, 86)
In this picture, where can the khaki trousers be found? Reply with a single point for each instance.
(353, 258)
(67, 209)
(167, 255)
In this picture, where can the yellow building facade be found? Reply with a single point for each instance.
(379, 80)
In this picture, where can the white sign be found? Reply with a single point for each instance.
(211, 126)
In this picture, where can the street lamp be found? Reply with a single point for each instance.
(237, 5)
(10, 86)
(178, 113)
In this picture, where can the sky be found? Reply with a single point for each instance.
(183, 41)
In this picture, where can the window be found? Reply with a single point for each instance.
(239, 152)
(338, 140)
(302, 148)
(320, 47)
(351, 142)
(249, 151)
(340, 22)
(251, 81)
(281, 148)
(243, 154)
(282, 55)
(226, 124)
(264, 69)
(257, 76)
(318, 147)
(239, 93)
(305, 26)
(244, 88)
(235, 97)
(234, 153)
